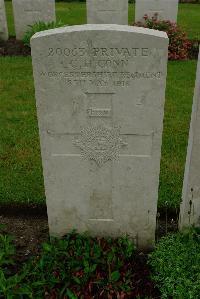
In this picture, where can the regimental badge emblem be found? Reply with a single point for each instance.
(100, 143)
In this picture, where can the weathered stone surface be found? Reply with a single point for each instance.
(107, 12)
(190, 206)
(166, 9)
(28, 12)
(100, 92)
(3, 22)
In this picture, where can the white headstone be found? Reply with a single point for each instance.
(100, 92)
(107, 12)
(3, 22)
(28, 12)
(190, 206)
(165, 9)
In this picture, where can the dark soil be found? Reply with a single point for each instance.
(28, 233)
(29, 225)
(31, 221)
(14, 47)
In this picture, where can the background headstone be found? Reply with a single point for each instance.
(166, 9)
(28, 12)
(100, 92)
(3, 22)
(107, 12)
(190, 206)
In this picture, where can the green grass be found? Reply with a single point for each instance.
(20, 168)
(75, 13)
(179, 95)
(189, 19)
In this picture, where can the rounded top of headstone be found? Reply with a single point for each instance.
(101, 27)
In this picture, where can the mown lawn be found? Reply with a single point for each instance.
(75, 13)
(20, 167)
(179, 96)
(21, 173)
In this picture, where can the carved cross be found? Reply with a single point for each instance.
(101, 143)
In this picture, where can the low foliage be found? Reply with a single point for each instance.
(7, 250)
(77, 266)
(7, 281)
(179, 46)
(37, 27)
(176, 265)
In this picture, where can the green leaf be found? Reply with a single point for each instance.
(71, 294)
(46, 247)
(115, 276)
(77, 280)
(2, 282)
(2, 226)
(93, 268)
